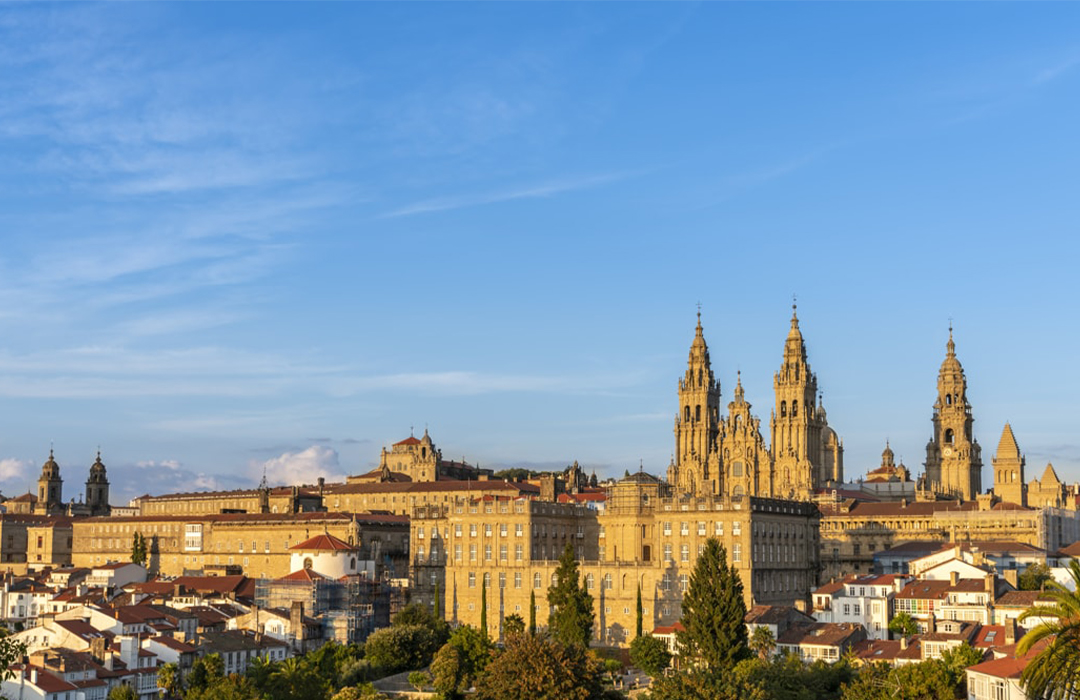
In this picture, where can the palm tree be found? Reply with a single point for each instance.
(762, 642)
(168, 679)
(1054, 672)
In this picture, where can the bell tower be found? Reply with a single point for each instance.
(796, 428)
(1009, 465)
(97, 488)
(696, 466)
(50, 488)
(953, 457)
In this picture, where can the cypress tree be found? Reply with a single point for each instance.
(713, 611)
(438, 614)
(483, 608)
(571, 618)
(532, 612)
(640, 610)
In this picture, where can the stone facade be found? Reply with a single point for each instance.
(257, 543)
(727, 455)
(953, 456)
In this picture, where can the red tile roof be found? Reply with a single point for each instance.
(324, 542)
(305, 575)
(411, 440)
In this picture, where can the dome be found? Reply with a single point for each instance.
(50, 470)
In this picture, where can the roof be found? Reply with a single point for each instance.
(830, 588)
(175, 644)
(925, 589)
(820, 633)
(1049, 475)
(319, 516)
(305, 575)
(411, 440)
(775, 614)
(876, 650)
(867, 509)
(1020, 599)
(582, 497)
(434, 486)
(1007, 447)
(324, 542)
(989, 636)
(1073, 550)
(668, 629)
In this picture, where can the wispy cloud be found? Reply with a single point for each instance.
(539, 191)
(1057, 70)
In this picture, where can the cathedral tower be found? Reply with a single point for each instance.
(696, 465)
(97, 488)
(1008, 463)
(953, 457)
(806, 451)
(50, 488)
(745, 460)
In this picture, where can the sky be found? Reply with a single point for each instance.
(245, 238)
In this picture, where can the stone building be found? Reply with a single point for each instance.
(281, 499)
(646, 537)
(257, 544)
(417, 459)
(953, 455)
(727, 455)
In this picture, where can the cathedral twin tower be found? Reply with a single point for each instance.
(727, 455)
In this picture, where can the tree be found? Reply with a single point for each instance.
(903, 625)
(926, 680)
(138, 549)
(234, 687)
(363, 692)
(513, 624)
(713, 611)
(296, 679)
(404, 647)
(448, 672)
(205, 672)
(650, 654)
(640, 618)
(418, 679)
(762, 642)
(122, 692)
(532, 612)
(483, 607)
(168, 679)
(1054, 672)
(571, 618)
(957, 659)
(1034, 577)
(10, 652)
(535, 667)
(474, 653)
(259, 672)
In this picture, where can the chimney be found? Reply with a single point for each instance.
(932, 625)
(954, 577)
(800, 605)
(903, 642)
(33, 675)
(1012, 577)
(1010, 631)
(97, 649)
(988, 580)
(296, 620)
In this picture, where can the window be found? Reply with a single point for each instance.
(701, 529)
(457, 531)
(736, 469)
(487, 552)
(519, 530)
(457, 552)
(736, 553)
(667, 528)
(667, 552)
(589, 582)
(502, 552)
(684, 553)
(683, 582)
(684, 528)
(517, 579)
(487, 529)
(472, 552)
(719, 528)
(420, 532)
(502, 580)
(502, 530)
(472, 530)
(538, 581)
(472, 579)
(736, 528)
(519, 552)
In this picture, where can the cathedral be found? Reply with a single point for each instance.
(727, 455)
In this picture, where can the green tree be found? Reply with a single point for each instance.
(697, 683)
(640, 615)
(535, 667)
(513, 624)
(903, 624)
(476, 651)
(448, 674)
(259, 672)
(402, 647)
(205, 672)
(786, 677)
(927, 680)
(418, 679)
(168, 679)
(234, 687)
(762, 642)
(298, 679)
(957, 659)
(1054, 672)
(11, 652)
(122, 692)
(363, 692)
(650, 654)
(713, 612)
(532, 612)
(1034, 577)
(483, 607)
(138, 549)
(571, 618)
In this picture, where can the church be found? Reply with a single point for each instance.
(727, 454)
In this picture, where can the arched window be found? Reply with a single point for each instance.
(949, 436)
(352, 564)
(738, 421)
(783, 409)
(590, 582)
(308, 563)
(737, 491)
(794, 408)
(686, 414)
(948, 399)
(538, 580)
(607, 581)
(487, 579)
(697, 412)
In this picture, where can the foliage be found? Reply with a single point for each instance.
(535, 667)
(1054, 672)
(259, 671)
(122, 692)
(699, 683)
(298, 679)
(762, 642)
(448, 672)
(418, 614)
(138, 549)
(927, 680)
(364, 692)
(532, 612)
(786, 677)
(956, 660)
(613, 666)
(1034, 577)
(903, 624)
(713, 611)
(650, 654)
(473, 655)
(515, 474)
(571, 618)
(513, 624)
(357, 671)
(401, 647)
(640, 613)
(483, 608)
(10, 652)
(418, 679)
(234, 687)
(168, 679)
(205, 672)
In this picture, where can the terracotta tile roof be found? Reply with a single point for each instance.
(820, 634)
(306, 575)
(308, 517)
(775, 614)
(925, 590)
(872, 650)
(411, 440)
(467, 485)
(175, 644)
(324, 542)
(1020, 599)
(830, 588)
(989, 636)
(1073, 550)
(668, 629)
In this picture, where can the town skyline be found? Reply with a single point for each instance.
(232, 245)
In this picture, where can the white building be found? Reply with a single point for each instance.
(864, 600)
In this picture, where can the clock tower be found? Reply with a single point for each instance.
(953, 457)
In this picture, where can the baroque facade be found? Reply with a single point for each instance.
(727, 455)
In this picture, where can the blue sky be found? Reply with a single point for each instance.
(237, 237)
